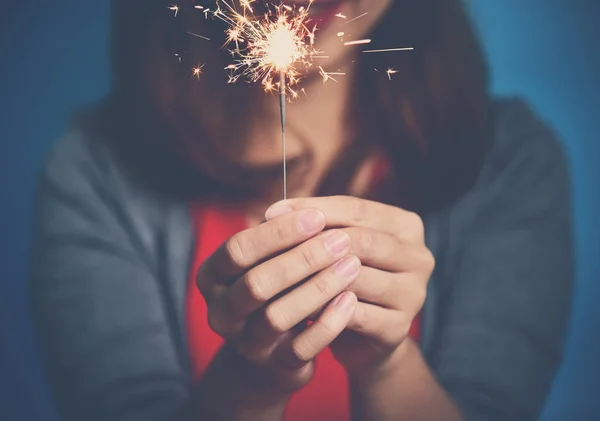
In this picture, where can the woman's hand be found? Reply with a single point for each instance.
(262, 285)
(391, 285)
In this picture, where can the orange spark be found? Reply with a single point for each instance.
(198, 36)
(329, 75)
(354, 19)
(197, 71)
(391, 71)
(174, 8)
(358, 42)
(389, 50)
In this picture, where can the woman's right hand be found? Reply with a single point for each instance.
(265, 282)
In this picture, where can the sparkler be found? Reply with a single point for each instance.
(275, 49)
(278, 44)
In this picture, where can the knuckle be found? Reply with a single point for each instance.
(365, 241)
(427, 260)
(323, 287)
(254, 284)
(235, 251)
(280, 232)
(415, 220)
(258, 355)
(308, 256)
(300, 353)
(420, 295)
(329, 327)
(359, 321)
(275, 319)
(356, 208)
(216, 323)
(386, 335)
(382, 293)
(201, 280)
(416, 224)
(398, 331)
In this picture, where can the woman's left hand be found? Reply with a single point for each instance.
(392, 283)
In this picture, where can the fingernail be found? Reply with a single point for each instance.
(337, 241)
(344, 302)
(348, 266)
(276, 210)
(311, 220)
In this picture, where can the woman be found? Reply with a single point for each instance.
(167, 286)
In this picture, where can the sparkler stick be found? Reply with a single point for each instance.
(282, 89)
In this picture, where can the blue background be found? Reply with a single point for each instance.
(54, 58)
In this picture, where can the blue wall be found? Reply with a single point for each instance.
(54, 59)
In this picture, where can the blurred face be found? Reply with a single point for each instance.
(185, 101)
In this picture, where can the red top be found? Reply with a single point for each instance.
(325, 398)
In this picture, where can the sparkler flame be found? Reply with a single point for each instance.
(265, 47)
(277, 44)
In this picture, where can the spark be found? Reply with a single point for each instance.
(389, 50)
(358, 42)
(341, 16)
(355, 19)
(391, 71)
(204, 10)
(174, 8)
(294, 93)
(247, 4)
(340, 34)
(329, 75)
(198, 36)
(197, 71)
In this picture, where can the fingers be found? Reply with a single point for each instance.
(385, 251)
(311, 341)
(266, 329)
(385, 327)
(342, 211)
(396, 291)
(261, 284)
(248, 248)
(294, 307)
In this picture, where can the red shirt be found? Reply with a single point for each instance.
(325, 398)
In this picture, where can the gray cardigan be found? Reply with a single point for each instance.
(111, 264)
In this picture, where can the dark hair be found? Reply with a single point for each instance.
(431, 122)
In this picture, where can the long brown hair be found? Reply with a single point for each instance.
(430, 123)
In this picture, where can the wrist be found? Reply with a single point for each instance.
(386, 367)
(225, 392)
(254, 385)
